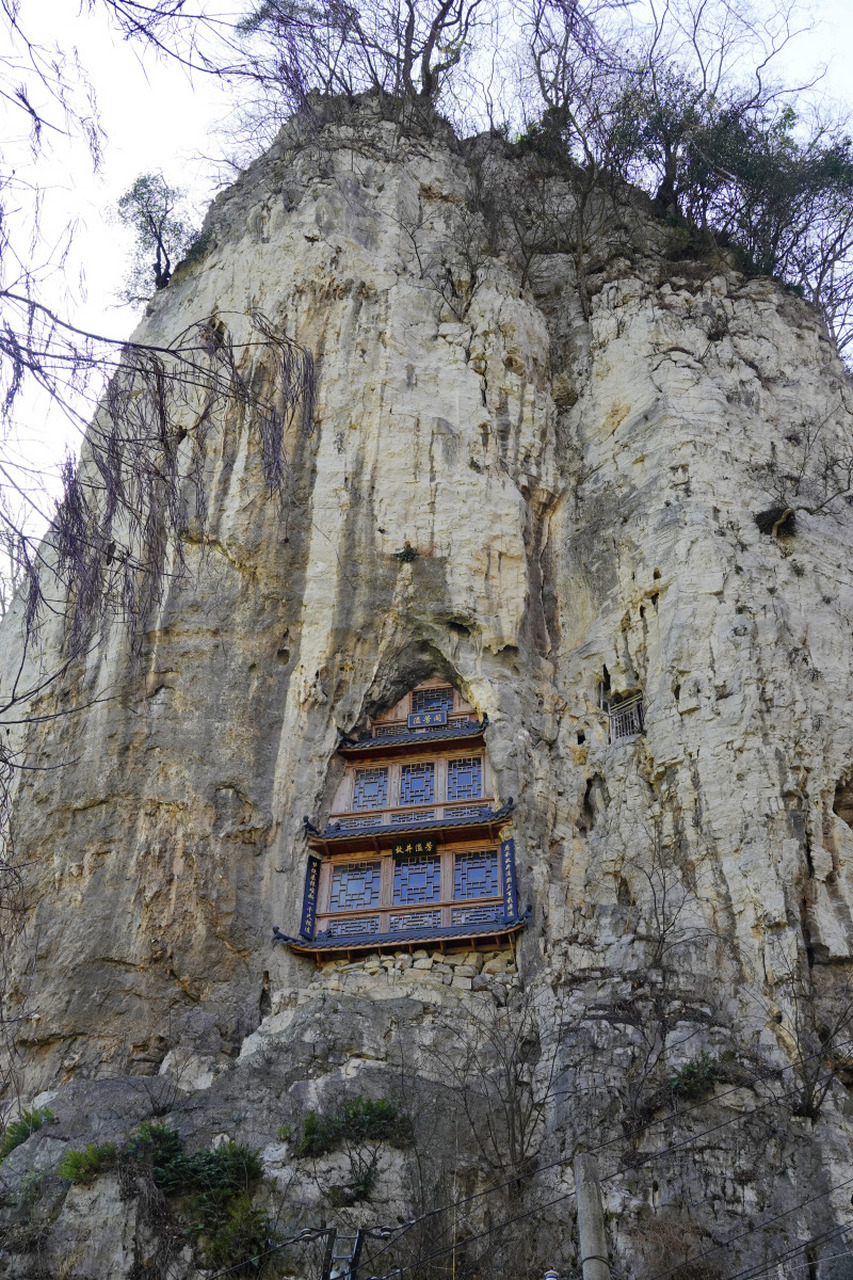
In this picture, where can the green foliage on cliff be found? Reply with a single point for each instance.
(207, 1180)
(696, 1078)
(19, 1129)
(82, 1167)
(356, 1120)
(241, 1239)
(209, 1191)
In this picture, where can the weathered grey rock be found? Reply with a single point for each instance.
(581, 495)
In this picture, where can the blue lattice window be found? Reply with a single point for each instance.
(352, 928)
(476, 915)
(417, 783)
(465, 778)
(432, 700)
(475, 875)
(354, 885)
(415, 920)
(370, 789)
(414, 886)
(417, 880)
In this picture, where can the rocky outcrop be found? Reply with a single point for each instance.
(581, 492)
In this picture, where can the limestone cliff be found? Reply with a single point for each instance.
(580, 491)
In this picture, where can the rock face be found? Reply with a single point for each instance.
(581, 492)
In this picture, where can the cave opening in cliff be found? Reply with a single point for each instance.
(842, 804)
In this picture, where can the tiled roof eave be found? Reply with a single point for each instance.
(406, 939)
(334, 834)
(411, 738)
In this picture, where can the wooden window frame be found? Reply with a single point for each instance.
(394, 767)
(461, 710)
(386, 908)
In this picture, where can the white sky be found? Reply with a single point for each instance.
(156, 119)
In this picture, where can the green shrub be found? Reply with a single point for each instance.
(207, 1180)
(210, 1191)
(84, 1166)
(241, 1240)
(196, 250)
(357, 1120)
(19, 1129)
(159, 1149)
(696, 1077)
(213, 1179)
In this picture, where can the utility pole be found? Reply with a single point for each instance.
(343, 1254)
(593, 1246)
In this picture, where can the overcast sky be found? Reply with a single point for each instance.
(155, 118)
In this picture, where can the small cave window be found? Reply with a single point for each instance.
(624, 711)
(842, 804)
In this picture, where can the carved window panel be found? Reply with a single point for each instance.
(432, 700)
(405, 920)
(417, 783)
(354, 885)
(465, 778)
(476, 915)
(353, 927)
(389, 790)
(417, 880)
(406, 889)
(370, 789)
(476, 874)
(467, 811)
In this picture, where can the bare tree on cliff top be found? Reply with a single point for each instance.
(690, 107)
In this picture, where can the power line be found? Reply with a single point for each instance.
(311, 1233)
(489, 1231)
(402, 1228)
(397, 1233)
(609, 1178)
(760, 1268)
(768, 1222)
(832, 1257)
(659, 1275)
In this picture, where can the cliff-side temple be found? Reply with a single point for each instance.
(471, 798)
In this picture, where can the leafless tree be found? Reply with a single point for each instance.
(503, 1079)
(810, 470)
(403, 48)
